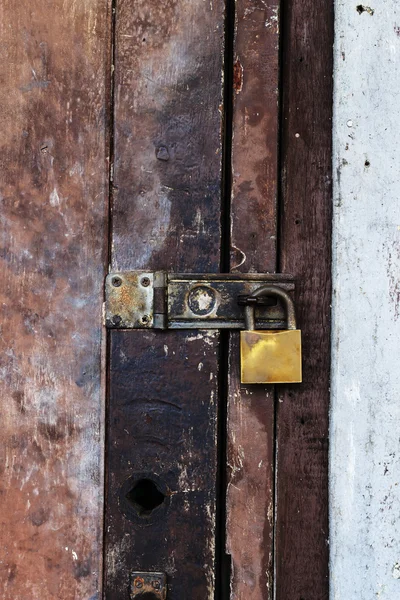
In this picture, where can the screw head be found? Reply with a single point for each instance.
(116, 281)
(145, 281)
(145, 319)
(116, 320)
(138, 583)
(156, 584)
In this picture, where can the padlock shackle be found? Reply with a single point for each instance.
(249, 317)
(277, 292)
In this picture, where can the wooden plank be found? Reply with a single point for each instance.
(54, 188)
(302, 415)
(162, 427)
(166, 215)
(255, 135)
(364, 411)
(250, 453)
(168, 95)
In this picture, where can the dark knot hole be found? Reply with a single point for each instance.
(145, 497)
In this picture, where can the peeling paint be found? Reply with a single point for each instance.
(361, 9)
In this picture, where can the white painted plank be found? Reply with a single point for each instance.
(365, 410)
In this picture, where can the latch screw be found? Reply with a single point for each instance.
(116, 281)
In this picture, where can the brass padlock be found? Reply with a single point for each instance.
(272, 356)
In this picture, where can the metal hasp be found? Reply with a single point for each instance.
(148, 585)
(160, 300)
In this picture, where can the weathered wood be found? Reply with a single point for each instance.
(167, 168)
(250, 454)
(250, 498)
(53, 185)
(302, 413)
(166, 215)
(255, 136)
(364, 429)
(162, 427)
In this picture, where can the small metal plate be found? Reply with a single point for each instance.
(129, 300)
(148, 585)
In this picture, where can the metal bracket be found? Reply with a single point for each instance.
(160, 300)
(148, 585)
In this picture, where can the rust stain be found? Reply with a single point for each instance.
(147, 585)
(237, 76)
(129, 300)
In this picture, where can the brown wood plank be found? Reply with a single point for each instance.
(255, 135)
(166, 215)
(53, 186)
(302, 416)
(250, 454)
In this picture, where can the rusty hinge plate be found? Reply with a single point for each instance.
(132, 300)
(160, 300)
(148, 585)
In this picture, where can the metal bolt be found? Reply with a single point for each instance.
(145, 282)
(156, 585)
(145, 319)
(116, 281)
(116, 319)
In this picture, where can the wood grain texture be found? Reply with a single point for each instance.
(255, 136)
(53, 188)
(250, 454)
(168, 105)
(250, 498)
(302, 414)
(166, 215)
(162, 426)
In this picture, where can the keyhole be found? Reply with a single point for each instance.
(145, 497)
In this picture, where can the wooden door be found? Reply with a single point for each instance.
(188, 136)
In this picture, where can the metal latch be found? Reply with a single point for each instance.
(148, 585)
(161, 300)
